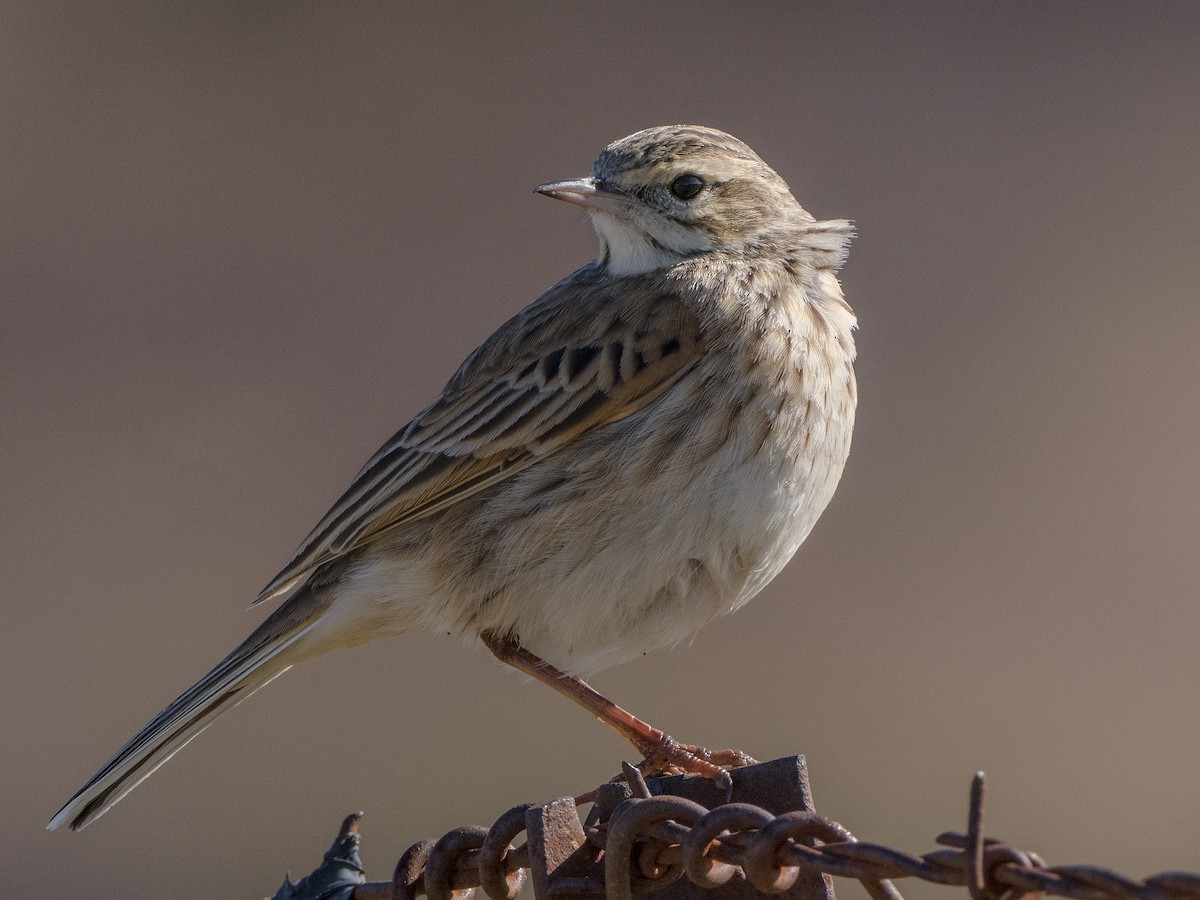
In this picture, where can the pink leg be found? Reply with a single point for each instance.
(661, 752)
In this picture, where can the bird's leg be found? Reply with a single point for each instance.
(662, 753)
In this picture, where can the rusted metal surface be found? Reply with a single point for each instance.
(686, 837)
(559, 851)
(773, 787)
(569, 859)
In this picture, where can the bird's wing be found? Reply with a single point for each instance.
(580, 357)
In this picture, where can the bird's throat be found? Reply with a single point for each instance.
(626, 249)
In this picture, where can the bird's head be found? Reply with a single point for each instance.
(664, 194)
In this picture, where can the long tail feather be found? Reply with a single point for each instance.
(256, 662)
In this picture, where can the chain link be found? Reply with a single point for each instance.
(647, 843)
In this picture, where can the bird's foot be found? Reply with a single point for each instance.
(667, 756)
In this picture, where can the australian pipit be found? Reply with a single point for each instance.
(638, 451)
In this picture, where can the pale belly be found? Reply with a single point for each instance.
(621, 546)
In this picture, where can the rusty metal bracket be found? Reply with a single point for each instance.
(779, 786)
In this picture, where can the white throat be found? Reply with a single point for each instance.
(626, 249)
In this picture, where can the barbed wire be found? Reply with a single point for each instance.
(637, 843)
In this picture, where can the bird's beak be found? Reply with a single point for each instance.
(583, 192)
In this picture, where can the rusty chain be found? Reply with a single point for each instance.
(650, 842)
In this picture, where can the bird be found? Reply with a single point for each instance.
(634, 454)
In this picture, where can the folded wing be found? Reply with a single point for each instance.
(529, 390)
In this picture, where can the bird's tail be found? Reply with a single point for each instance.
(266, 654)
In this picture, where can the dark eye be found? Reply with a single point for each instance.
(685, 187)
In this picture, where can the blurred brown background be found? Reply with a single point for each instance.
(243, 243)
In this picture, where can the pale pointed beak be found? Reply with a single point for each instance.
(583, 192)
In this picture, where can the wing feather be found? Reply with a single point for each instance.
(582, 356)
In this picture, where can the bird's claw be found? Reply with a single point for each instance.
(667, 756)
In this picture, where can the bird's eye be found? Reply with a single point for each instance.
(685, 187)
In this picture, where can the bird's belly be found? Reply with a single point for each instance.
(588, 569)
